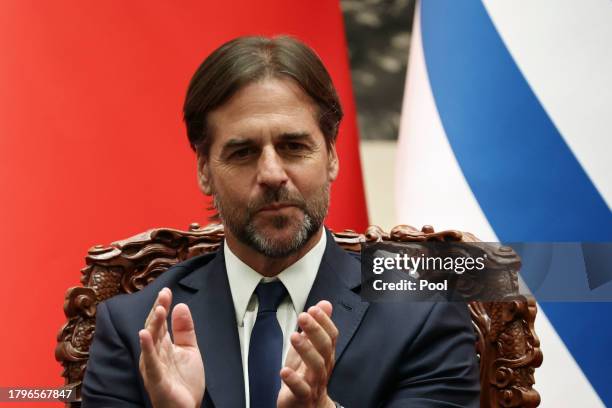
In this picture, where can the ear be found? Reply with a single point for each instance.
(204, 179)
(333, 165)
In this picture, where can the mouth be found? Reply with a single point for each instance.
(276, 207)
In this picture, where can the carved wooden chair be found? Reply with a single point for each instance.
(507, 345)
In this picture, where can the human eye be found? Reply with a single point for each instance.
(293, 147)
(242, 154)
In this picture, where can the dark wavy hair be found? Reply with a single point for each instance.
(244, 60)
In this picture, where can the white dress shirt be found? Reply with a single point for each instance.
(297, 278)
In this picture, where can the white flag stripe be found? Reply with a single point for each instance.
(560, 381)
(553, 43)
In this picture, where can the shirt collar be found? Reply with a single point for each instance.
(297, 278)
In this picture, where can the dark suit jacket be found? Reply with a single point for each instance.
(418, 354)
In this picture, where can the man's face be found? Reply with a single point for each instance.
(268, 167)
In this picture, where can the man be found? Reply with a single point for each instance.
(262, 115)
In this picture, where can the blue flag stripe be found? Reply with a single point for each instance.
(526, 179)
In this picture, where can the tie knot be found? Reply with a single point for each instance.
(270, 295)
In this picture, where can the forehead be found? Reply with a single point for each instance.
(266, 107)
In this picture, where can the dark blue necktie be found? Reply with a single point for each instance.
(266, 347)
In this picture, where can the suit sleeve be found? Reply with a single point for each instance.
(111, 377)
(439, 369)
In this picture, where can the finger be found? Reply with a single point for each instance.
(310, 356)
(323, 318)
(318, 337)
(150, 366)
(326, 306)
(183, 329)
(158, 325)
(160, 294)
(293, 359)
(300, 388)
(164, 298)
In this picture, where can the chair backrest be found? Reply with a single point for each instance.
(507, 345)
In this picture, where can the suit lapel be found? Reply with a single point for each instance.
(338, 275)
(216, 330)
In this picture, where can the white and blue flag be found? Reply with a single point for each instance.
(506, 131)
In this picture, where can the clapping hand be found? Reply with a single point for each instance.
(310, 361)
(173, 373)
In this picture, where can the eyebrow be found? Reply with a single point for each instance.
(294, 136)
(236, 143)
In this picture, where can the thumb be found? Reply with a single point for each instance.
(183, 330)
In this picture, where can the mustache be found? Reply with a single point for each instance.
(275, 196)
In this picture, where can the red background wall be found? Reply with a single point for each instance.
(93, 149)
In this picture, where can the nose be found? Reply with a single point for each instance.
(271, 171)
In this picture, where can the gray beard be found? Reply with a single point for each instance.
(274, 249)
(247, 233)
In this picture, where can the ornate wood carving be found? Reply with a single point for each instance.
(507, 345)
